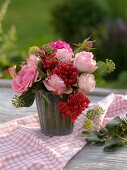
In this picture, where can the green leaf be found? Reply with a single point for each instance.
(18, 67)
(101, 67)
(28, 98)
(113, 123)
(92, 136)
(103, 131)
(100, 71)
(113, 147)
(40, 65)
(87, 39)
(104, 68)
(38, 85)
(45, 100)
(100, 143)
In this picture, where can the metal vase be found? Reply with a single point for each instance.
(51, 121)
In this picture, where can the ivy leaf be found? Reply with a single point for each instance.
(103, 131)
(113, 147)
(92, 136)
(28, 99)
(100, 142)
(113, 123)
(115, 133)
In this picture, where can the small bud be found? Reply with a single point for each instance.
(47, 49)
(17, 101)
(88, 124)
(89, 44)
(92, 113)
(110, 66)
(33, 50)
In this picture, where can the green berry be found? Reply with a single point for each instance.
(88, 124)
(33, 50)
(92, 113)
(47, 49)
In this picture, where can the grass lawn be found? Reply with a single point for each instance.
(32, 19)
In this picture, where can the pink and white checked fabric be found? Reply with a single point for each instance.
(22, 146)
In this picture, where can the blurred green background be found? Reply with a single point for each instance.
(41, 21)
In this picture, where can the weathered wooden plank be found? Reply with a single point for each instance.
(9, 112)
(93, 158)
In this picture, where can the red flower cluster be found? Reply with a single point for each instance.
(67, 73)
(50, 63)
(73, 108)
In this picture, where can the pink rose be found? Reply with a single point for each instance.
(55, 84)
(61, 44)
(12, 71)
(32, 60)
(63, 56)
(26, 76)
(86, 82)
(84, 62)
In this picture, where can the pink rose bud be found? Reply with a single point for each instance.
(86, 82)
(24, 78)
(90, 44)
(63, 56)
(12, 71)
(84, 62)
(55, 84)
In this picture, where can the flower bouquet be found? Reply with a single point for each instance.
(58, 79)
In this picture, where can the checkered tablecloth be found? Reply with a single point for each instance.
(22, 146)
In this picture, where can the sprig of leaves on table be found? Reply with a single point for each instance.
(114, 133)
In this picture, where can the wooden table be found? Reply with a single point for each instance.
(89, 158)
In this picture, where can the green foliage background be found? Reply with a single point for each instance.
(32, 20)
(104, 20)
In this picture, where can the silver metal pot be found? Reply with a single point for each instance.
(51, 121)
